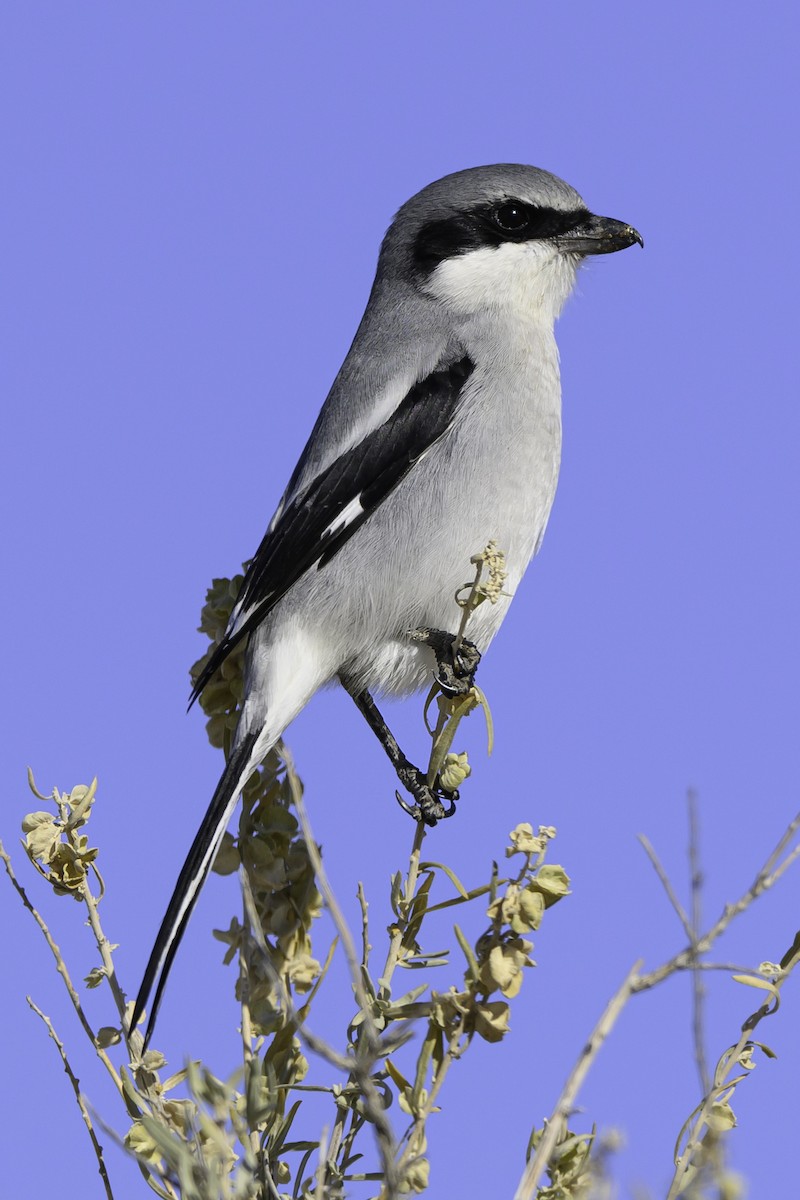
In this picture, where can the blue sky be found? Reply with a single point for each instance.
(193, 199)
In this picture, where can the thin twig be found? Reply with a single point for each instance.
(76, 1087)
(104, 946)
(468, 605)
(557, 1123)
(729, 968)
(722, 1081)
(247, 1024)
(417, 1129)
(667, 885)
(787, 836)
(317, 1045)
(634, 982)
(362, 1070)
(365, 946)
(319, 1190)
(698, 987)
(342, 928)
(61, 967)
(272, 1187)
(152, 1172)
(766, 878)
(400, 926)
(91, 902)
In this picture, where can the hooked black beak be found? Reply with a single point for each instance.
(598, 235)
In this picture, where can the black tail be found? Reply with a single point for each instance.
(191, 879)
(218, 656)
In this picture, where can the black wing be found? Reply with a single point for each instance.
(321, 518)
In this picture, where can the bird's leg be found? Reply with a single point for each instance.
(455, 669)
(427, 806)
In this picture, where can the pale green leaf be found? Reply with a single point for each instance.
(107, 1036)
(451, 875)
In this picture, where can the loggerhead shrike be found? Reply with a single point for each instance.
(442, 432)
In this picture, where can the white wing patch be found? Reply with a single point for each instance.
(278, 514)
(239, 617)
(346, 517)
(240, 614)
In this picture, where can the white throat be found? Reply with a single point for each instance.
(530, 279)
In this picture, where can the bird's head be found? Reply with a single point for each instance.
(498, 237)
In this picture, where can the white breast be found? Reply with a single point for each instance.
(491, 478)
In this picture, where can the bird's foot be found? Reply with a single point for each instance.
(429, 801)
(455, 669)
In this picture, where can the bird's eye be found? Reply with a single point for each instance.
(511, 217)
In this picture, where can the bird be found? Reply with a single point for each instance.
(440, 433)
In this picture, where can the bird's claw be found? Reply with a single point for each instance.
(427, 806)
(455, 669)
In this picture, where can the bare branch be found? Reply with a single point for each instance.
(342, 1062)
(399, 927)
(363, 1064)
(766, 878)
(61, 967)
(660, 871)
(557, 1123)
(723, 1084)
(247, 1025)
(698, 987)
(104, 946)
(76, 1087)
